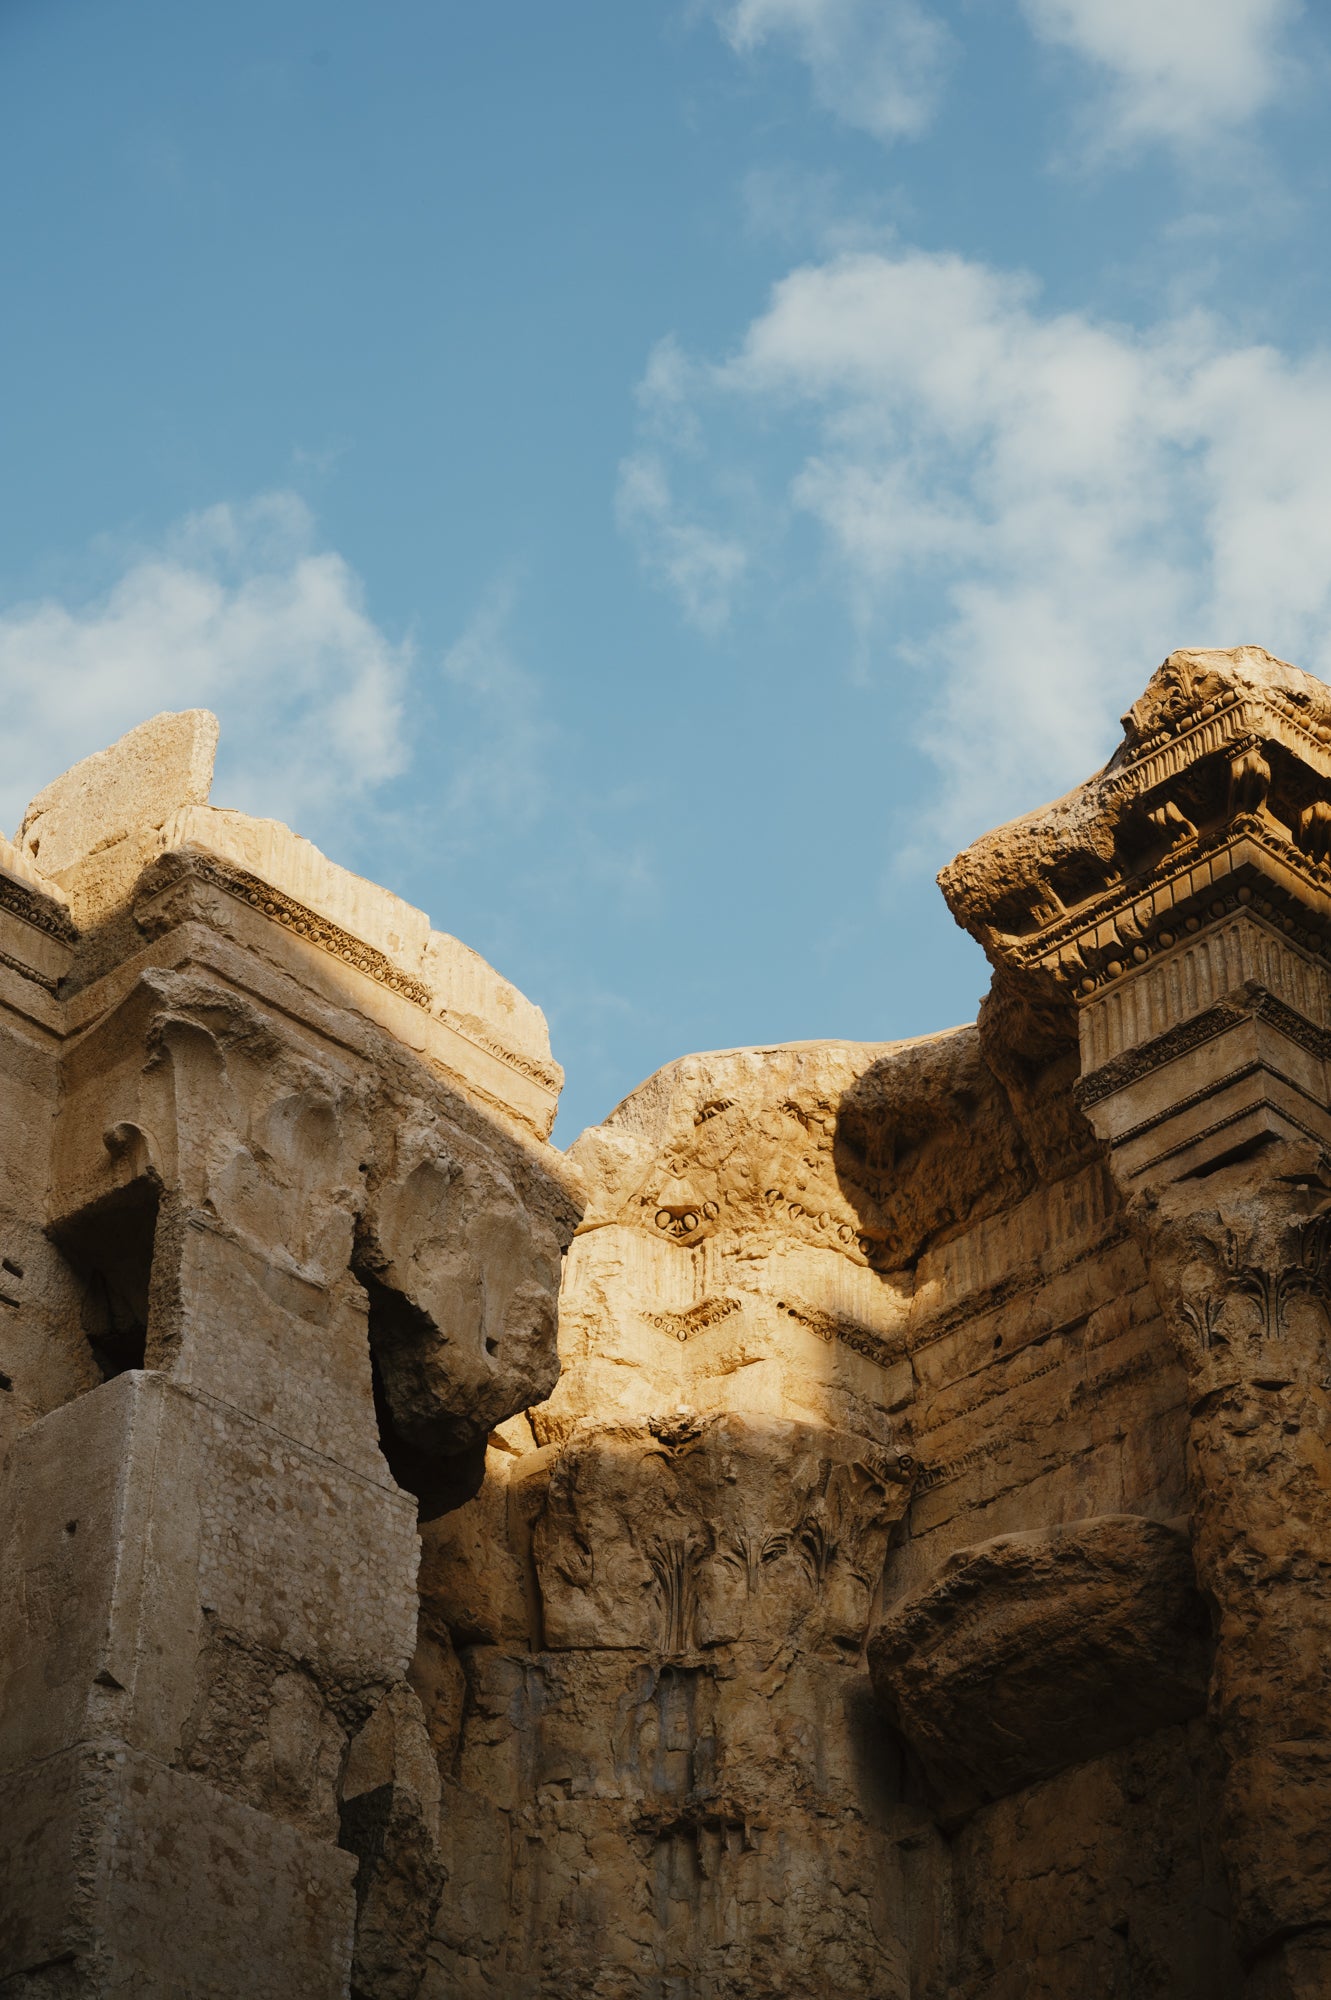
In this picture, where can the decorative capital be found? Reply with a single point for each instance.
(1218, 800)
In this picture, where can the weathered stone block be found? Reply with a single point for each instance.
(149, 1884)
(138, 782)
(1035, 1651)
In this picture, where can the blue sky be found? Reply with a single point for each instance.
(648, 481)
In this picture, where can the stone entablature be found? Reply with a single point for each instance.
(118, 831)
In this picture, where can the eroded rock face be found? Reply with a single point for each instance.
(829, 1322)
(1034, 1652)
(660, 1597)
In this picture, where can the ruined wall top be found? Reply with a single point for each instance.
(100, 843)
(139, 781)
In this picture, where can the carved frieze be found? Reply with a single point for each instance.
(689, 1531)
(182, 867)
(31, 907)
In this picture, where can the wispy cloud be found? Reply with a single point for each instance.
(877, 64)
(1036, 506)
(1182, 72)
(703, 567)
(505, 748)
(1189, 74)
(239, 610)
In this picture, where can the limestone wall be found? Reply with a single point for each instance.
(856, 1524)
(827, 1328)
(281, 1243)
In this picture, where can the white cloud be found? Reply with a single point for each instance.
(239, 611)
(1185, 71)
(1031, 509)
(700, 565)
(1189, 73)
(877, 64)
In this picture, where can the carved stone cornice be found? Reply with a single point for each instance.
(1248, 865)
(697, 1319)
(303, 922)
(30, 906)
(829, 1326)
(1219, 799)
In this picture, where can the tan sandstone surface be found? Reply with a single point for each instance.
(890, 1560)
(281, 1242)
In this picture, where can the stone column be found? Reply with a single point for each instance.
(1181, 903)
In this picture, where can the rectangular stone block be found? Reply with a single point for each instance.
(147, 1884)
(162, 764)
(1248, 1071)
(141, 1521)
(295, 1551)
(98, 1578)
(292, 1354)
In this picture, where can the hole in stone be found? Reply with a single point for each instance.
(998, 1342)
(438, 1480)
(492, 1346)
(71, 1527)
(6, 1382)
(8, 1264)
(110, 1247)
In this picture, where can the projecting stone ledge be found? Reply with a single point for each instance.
(126, 841)
(1220, 778)
(1181, 900)
(1040, 1650)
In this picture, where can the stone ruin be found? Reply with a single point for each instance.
(858, 1523)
